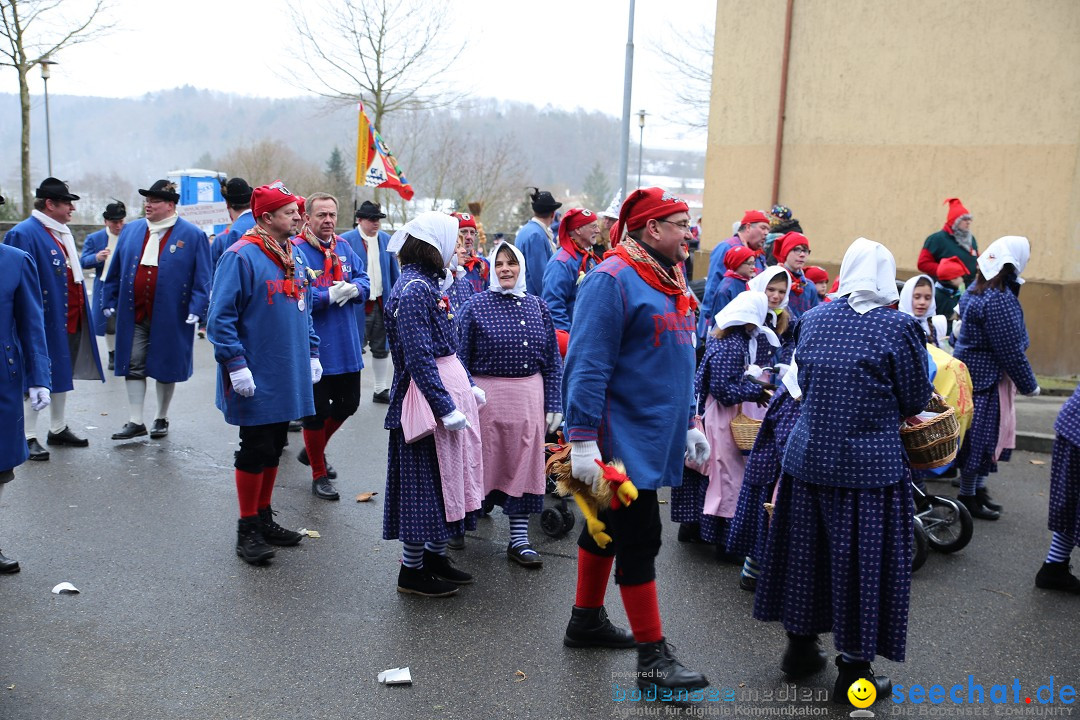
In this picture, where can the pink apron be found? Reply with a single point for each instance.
(512, 426)
(461, 465)
(1006, 390)
(726, 463)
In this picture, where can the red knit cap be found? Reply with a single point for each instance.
(268, 198)
(956, 209)
(736, 256)
(465, 220)
(573, 219)
(647, 204)
(815, 274)
(786, 242)
(951, 268)
(301, 204)
(754, 216)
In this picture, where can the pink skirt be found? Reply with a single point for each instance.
(460, 452)
(512, 425)
(1006, 390)
(726, 464)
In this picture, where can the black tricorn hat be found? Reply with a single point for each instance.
(2, 200)
(370, 211)
(543, 202)
(115, 210)
(162, 189)
(237, 191)
(53, 189)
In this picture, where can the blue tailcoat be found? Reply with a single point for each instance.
(628, 380)
(388, 264)
(26, 353)
(183, 288)
(223, 242)
(32, 237)
(561, 277)
(92, 245)
(533, 243)
(341, 337)
(254, 324)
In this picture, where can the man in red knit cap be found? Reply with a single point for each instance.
(954, 239)
(628, 388)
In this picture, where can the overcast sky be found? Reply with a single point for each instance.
(566, 53)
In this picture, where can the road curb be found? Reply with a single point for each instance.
(1035, 442)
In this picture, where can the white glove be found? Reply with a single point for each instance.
(455, 420)
(1034, 393)
(242, 381)
(480, 395)
(342, 292)
(192, 319)
(753, 371)
(108, 312)
(697, 446)
(583, 457)
(316, 370)
(554, 420)
(39, 398)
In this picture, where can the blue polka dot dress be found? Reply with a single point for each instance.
(1065, 470)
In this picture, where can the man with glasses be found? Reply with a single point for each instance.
(158, 288)
(751, 234)
(792, 250)
(68, 329)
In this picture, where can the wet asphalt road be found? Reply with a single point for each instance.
(171, 624)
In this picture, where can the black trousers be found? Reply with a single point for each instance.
(336, 396)
(375, 331)
(261, 446)
(635, 539)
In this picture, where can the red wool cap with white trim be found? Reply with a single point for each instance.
(753, 216)
(268, 198)
(465, 220)
(647, 204)
(574, 219)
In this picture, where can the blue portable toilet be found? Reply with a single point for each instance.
(197, 186)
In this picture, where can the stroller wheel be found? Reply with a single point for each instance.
(567, 519)
(947, 523)
(920, 546)
(551, 522)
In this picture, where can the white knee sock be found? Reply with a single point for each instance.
(29, 420)
(2, 486)
(56, 412)
(110, 343)
(136, 391)
(380, 371)
(164, 397)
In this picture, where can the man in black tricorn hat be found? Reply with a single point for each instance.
(72, 349)
(96, 254)
(237, 194)
(536, 241)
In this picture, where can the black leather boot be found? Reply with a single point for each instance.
(983, 497)
(441, 566)
(803, 656)
(590, 627)
(251, 546)
(656, 665)
(419, 581)
(848, 673)
(274, 533)
(10, 565)
(977, 509)
(1056, 576)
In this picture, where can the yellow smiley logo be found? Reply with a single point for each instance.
(862, 693)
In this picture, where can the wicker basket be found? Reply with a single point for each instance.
(744, 430)
(932, 444)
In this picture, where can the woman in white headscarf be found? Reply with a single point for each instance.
(917, 300)
(775, 282)
(838, 554)
(991, 342)
(506, 339)
(728, 382)
(434, 481)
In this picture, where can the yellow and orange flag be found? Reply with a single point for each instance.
(375, 164)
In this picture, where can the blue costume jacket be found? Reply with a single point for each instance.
(533, 242)
(92, 245)
(341, 337)
(479, 275)
(22, 332)
(993, 339)
(628, 381)
(861, 375)
(32, 237)
(183, 288)
(254, 324)
(717, 269)
(730, 286)
(561, 279)
(388, 264)
(799, 303)
(223, 242)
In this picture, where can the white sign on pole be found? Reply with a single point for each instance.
(203, 214)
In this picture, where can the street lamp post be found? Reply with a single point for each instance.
(46, 73)
(641, 141)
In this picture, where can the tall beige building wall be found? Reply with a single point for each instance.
(893, 107)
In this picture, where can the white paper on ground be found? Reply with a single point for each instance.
(396, 676)
(65, 588)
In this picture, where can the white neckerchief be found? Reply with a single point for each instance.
(547, 231)
(66, 239)
(150, 252)
(867, 276)
(908, 308)
(761, 281)
(1012, 249)
(493, 282)
(750, 307)
(111, 245)
(374, 270)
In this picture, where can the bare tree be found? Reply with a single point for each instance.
(23, 46)
(692, 61)
(265, 161)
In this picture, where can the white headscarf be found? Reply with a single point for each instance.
(749, 307)
(493, 282)
(867, 276)
(760, 282)
(907, 307)
(436, 229)
(1013, 249)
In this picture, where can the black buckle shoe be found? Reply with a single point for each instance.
(456, 542)
(590, 627)
(251, 546)
(748, 583)
(525, 556)
(330, 471)
(323, 488)
(441, 566)
(983, 497)
(129, 431)
(419, 581)
(803, 656)
(8, 565)
(850, 672)
(1056, 576)
(689, 533)
(382, 397)
(296, 425)
(658, 666)
(159, 429)
(37, 452)
(66, 437)
(977, 509)
(274, 533)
